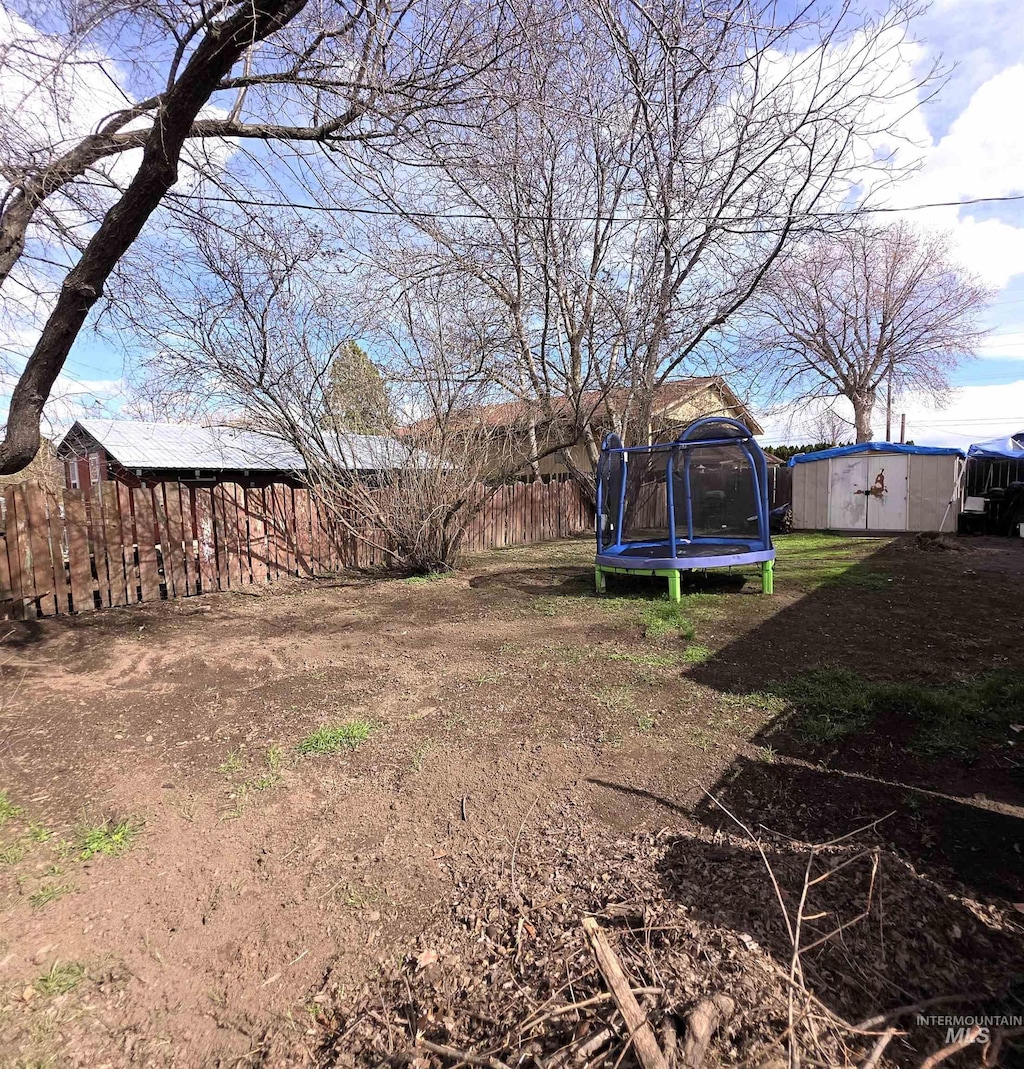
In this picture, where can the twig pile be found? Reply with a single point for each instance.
(587, 952)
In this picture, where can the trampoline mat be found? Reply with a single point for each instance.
(692, 549)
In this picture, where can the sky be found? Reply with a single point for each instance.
(971, 141)
(972, 145)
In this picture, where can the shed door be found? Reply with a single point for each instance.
(847, 496)
(887, 491)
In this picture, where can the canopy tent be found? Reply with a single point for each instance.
(1011, 448)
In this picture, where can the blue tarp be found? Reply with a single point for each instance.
(875, 447)
(1011, 448)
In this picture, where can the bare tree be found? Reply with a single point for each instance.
(871, 307)
(231, 78)
(252, 327)
(616, 192)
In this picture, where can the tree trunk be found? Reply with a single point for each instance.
(863, 406)
(211, 60)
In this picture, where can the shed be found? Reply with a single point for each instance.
(878, 487)
(136, 453)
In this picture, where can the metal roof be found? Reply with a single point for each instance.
(188, 446)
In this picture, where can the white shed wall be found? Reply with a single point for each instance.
(933, 492)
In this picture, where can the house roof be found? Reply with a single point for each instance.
(160, 446)
(676, 391)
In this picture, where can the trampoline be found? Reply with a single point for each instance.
(698, 502)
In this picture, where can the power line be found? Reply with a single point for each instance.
(551, 217)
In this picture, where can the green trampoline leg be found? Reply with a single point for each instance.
(768, 577)
(675, 586)
(599, 581)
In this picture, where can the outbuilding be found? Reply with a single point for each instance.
(878, 486)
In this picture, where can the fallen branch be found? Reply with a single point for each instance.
(914, 1007)
(701, 1025)
(594, 1000)
(881, 1043)
(456, 1055)
(644, 1043)
(947, 1052)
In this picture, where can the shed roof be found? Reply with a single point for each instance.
(164, 446)
(875, 447)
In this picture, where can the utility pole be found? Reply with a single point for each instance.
(888, 405)
(903, 428)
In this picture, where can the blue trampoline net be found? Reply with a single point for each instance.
(708, 481)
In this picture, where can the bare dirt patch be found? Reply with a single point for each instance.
(262, 886)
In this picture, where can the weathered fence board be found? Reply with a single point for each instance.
(79, 563)
(119, 545)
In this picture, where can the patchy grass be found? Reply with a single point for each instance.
(660, 618)
(107, 839)
(331, 738)
(696, 653)
(615, 698)
(39, 833)
(12, 854)
(645, 660)
(426, 577)
(8, 810)
(959, 718)
(62, 977)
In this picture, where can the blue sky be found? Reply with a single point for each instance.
(971, 140)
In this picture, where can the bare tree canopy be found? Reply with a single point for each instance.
(851, 312)
(610, 200)
(213, 77)
(597, 187)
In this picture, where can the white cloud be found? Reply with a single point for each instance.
(982, 154)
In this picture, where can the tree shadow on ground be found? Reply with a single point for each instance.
(879, 935)
(895, 687)
(575, 582)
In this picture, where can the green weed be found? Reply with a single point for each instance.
(107, 839)
(231, 764)
(8, 810)
(645, 723)
(330, 738)
(419, 755)
(38, 833)
(47, 893)
(62, 977)
(11, 855)
(766, 754)
(696, 653)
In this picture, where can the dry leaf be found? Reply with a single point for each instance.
(425, 958)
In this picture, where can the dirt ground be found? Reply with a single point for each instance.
(181, 886)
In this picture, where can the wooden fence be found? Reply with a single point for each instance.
(62, 553)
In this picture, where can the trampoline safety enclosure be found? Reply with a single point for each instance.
(698, 502)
